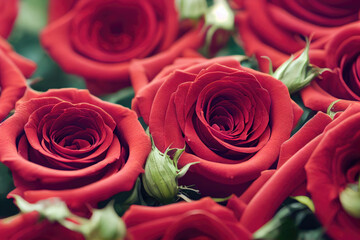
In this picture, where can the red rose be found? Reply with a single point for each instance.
(342, 56)
(324, 157)
(232, 120)
(8, 13)
(289, 176)
(12, 82)
(203, 219)
(58, 8)
(333, 165)
(277, 28)
(28, 226)
(72, 145)
(98, 39)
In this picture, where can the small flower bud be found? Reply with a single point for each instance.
(296, 73)
(159, 179)
(161, 175)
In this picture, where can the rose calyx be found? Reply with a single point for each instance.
(161, 174)
(296, 73)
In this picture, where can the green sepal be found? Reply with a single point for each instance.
(184, 170)
(159, 179)
(177, 154)
(329, 109)
(191, 9)
(220, 200)
(53, 209)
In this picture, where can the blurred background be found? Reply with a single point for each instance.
(31, 19)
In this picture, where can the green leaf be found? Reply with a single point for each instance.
(122, 97)
(124, 200)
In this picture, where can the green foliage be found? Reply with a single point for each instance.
(293, 221)
(307, 114)
(296, 73)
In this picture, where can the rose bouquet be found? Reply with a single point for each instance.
(179, 119)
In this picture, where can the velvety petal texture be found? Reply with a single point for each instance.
(232, 120)
(30, 226)
(98, 39)
(341, 55)
(26, 66)
(263, 204)
(70, 144)
(278, 28)
(322, 156)
(334, 164)
(203, 219)
(8, 13)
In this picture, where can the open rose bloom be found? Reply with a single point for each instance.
(342, 81)
(69, 144)
(232, 120)
(98, 39)
(145, 120)
(278, 28)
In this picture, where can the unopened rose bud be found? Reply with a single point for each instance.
(296, 73)
(159, 178)
(161, 174)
